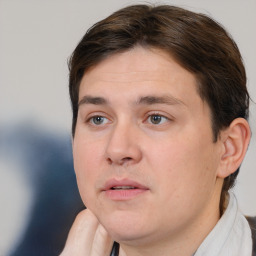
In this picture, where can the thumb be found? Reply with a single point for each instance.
(87, 237)
(102, 242)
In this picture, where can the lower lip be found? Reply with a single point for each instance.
(125, 194)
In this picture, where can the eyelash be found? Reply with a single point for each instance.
(151, 115)
(90, 120)
(162, 118)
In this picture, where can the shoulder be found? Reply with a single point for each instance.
(252, 223)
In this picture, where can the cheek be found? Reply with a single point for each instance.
(87, 155)
(184, 166)
(186, 175)
(87, 167)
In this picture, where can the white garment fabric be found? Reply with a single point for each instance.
(230, 237)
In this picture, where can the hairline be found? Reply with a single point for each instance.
(148, 46)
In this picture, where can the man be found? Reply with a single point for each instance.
(160, 105)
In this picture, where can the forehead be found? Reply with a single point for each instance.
(137, 55)
(139, 71)
(137, 60)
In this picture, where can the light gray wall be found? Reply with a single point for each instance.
(36, 38)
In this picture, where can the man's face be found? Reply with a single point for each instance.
(144, 155)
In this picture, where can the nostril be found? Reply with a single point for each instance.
(127, 159)
(109, 161)
(120, 162)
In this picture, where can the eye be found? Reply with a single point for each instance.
(157, 119)
(98, 120)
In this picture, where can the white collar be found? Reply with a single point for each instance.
(230, 237)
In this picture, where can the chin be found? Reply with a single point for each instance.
(124, 226)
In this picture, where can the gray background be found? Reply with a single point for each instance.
(36, 39)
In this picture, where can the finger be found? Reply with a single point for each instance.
(102, 243)
(81, 235)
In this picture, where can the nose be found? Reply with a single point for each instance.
(123, 145)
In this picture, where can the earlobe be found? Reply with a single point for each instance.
(235, 140)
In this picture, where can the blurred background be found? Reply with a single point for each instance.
(38, 193)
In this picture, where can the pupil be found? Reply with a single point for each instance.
(155, 119)
(98, 120)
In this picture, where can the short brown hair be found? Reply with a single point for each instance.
(195, 41)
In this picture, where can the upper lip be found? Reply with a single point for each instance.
(122, 182)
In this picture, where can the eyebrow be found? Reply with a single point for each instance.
(166, 99)
(92, 100)
(146, 100)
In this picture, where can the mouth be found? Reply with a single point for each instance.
(122, 190)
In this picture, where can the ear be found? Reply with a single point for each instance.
(235, 140)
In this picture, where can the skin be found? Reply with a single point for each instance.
(87, 237)
(165, 144)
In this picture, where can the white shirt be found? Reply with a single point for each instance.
(230, 237)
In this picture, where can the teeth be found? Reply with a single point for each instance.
(123, 187)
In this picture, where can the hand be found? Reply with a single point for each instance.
(87, 237)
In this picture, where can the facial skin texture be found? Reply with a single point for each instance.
(175, 158)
